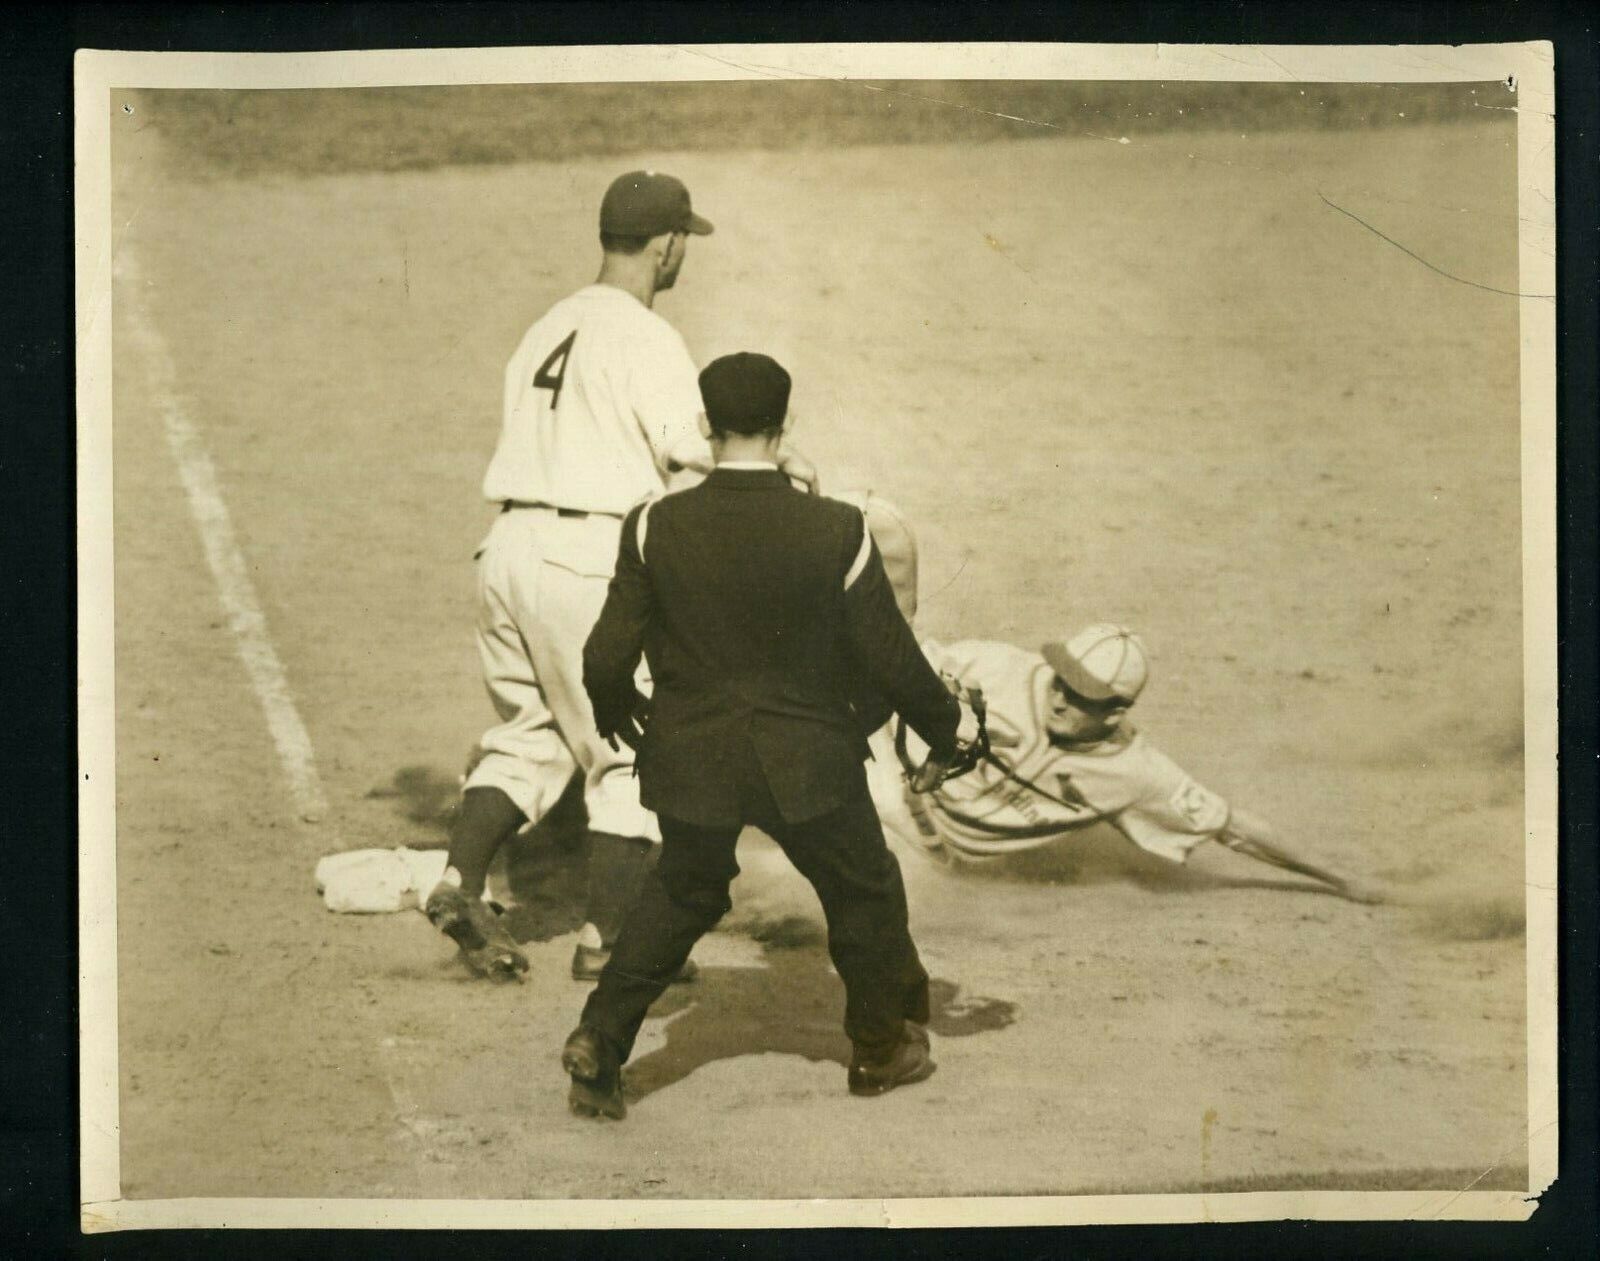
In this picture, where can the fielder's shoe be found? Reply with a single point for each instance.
(596, 1089)
(486, 946)
(589, 961)
(909, 1062)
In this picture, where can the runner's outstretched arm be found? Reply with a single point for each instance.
(1253, 836)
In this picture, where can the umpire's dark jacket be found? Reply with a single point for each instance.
(761, 610)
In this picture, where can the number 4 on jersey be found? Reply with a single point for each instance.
(553, 369)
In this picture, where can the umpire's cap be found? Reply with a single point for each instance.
(1101, 663)
(745, 393)
(646, 203)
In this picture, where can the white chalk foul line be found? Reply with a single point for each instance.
(237, 592)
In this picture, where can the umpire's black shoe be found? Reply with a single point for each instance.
(588, 962)
(596, 1076)
(909, 1062)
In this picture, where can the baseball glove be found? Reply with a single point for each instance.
(936, 770)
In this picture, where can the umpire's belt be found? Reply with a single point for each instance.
(508, 504)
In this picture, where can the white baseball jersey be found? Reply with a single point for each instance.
(599, 392)
(1053, 789)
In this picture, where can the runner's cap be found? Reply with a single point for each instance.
(1102, 662)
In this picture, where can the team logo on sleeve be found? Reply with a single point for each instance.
(1199, 806)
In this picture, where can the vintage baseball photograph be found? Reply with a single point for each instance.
(834, 635)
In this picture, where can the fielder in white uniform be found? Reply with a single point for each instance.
(601, 407)
(1063, 757)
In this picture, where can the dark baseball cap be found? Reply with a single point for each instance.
(645, 203)
(745, 393)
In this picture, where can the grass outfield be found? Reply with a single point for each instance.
(321, 131)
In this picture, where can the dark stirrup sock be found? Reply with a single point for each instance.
(617, 867)
(487, 818)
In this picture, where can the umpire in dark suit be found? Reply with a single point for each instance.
(762, 611)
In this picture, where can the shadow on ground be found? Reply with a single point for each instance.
(792, 1006)
(544, 871)
(422, 794)
(1102, 855)
(544, 867)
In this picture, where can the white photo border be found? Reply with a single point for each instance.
(1530, 69)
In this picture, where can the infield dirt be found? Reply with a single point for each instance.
(1161, 382)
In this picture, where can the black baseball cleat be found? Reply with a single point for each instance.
(909, 1063)
(596, 1089)
(589, 961)
(485, 945)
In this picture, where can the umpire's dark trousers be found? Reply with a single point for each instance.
(857, 879)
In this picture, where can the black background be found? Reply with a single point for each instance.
(38, 1086)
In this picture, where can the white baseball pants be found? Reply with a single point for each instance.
(542, 580)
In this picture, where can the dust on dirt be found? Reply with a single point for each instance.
(1188, 398)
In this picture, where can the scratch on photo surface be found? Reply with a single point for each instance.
(959, 569)
(1279, 64)
(1238, 61)
(974, 109)
(1410, 253)
(406, 1113)
(993, 244)
(1521, 1146)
